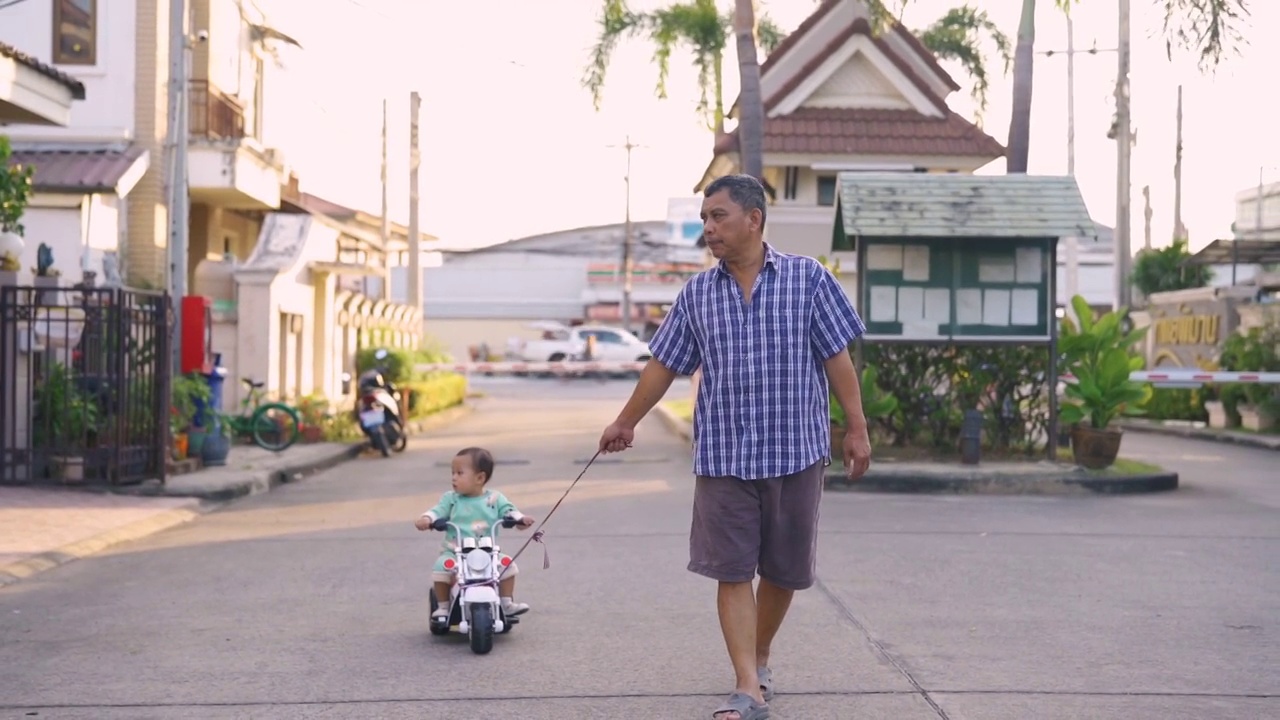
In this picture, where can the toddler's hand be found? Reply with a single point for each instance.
(423, 523)
(526, 522)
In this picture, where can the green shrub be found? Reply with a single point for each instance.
(1177, 404)
(436, 392)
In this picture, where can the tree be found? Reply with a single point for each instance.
(1208, 28)
(750, 97)
(696, 25)
(1164, 270)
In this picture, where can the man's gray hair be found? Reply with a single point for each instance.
(745, 191)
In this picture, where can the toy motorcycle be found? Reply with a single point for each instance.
(475, 607)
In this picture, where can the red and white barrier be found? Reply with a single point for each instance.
(1171, 375)
(558, 368)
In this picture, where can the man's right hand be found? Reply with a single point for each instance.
(616, 438)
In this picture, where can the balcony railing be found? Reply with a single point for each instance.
(214, 115)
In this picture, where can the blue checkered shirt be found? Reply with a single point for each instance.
(762, 406)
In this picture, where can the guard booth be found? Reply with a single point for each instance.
(959, 259)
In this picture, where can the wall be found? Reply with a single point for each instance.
(107, 112)
(79, 230)
(501, 285)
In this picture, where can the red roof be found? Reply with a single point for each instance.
(870, 131)
(90, 169)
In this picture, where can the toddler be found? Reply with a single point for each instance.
(470, 505)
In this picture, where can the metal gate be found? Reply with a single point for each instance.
(84, 385)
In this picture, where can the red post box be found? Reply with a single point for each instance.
(197, 334)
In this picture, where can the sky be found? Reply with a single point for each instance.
(511, 145)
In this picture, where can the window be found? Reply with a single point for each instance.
(827, 191)
(75, 32)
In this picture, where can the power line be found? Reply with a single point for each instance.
(11, 3)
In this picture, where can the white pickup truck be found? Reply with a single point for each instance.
(561, 342)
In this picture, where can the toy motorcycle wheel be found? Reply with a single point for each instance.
(481, 629)
(437, 628)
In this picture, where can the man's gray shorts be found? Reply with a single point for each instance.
(744, 526)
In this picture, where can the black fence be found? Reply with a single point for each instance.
(84, 385)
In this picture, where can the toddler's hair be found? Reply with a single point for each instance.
(481, 460)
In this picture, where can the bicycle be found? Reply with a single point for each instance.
(272, 426)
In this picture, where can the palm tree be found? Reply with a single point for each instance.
(750, 97)
(1207, 28)
(697, 25)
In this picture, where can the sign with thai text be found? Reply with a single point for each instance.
(1190, 334)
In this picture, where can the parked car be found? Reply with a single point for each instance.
(561, 342)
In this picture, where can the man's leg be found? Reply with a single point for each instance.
(789, 549)
(724, 545)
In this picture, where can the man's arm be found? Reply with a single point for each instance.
(845, 386)
(654, 382)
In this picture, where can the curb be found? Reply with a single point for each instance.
(1074, 483)
(676, 424)
(27, 567)
(1202, 434)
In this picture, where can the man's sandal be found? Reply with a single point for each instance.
(743, 704)
(766, 682)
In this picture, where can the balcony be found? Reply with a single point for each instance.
(226, 166)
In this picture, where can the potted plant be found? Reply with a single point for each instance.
(185, 393)
(217, 443)
(15, 192)
(45, 276)
(875, 404)
(1100, 359)
(1257, 350)
(9, 267)
(314, 414)
(66, 420)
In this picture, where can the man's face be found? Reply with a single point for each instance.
(728, 229)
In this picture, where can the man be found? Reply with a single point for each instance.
(769, 331)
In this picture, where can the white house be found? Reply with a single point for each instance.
(101, 181)
(85, 158)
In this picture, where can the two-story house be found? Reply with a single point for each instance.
(101, 182)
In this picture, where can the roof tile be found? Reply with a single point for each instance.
(870, 131)
(75, 86)
(89, 169)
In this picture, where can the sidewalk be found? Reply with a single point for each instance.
(1201, 432)
(44, 527)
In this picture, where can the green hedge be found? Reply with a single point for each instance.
(1177, 404)
(436, 392)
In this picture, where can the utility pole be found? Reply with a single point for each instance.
(1179, 232)
(385, 231)
(1124, 151)
(1073, 243)
(1146, 217)
(627, 241)
(179, 198)
(415, 251)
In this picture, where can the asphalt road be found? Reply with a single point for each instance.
(310, 602)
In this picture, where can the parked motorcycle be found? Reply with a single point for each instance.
(474, 607)
(378, 409)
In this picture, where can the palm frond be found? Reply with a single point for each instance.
(958, 35)
(768, 35)
(616, 22)
(1209, 28)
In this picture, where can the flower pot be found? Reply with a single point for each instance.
(312, 433)
(1256, 417)
(1217, 411)
(1093, 448)
(216, 448)
(180, 446)
(8, 277)
(195, 441)
(69, 470)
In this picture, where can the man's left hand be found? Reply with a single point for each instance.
(857, 452)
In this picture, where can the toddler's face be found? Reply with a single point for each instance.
(466, 481)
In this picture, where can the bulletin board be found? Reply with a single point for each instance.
(978, 289)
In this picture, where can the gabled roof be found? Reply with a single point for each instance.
(84, 169)
(930, 205)
(913, 120)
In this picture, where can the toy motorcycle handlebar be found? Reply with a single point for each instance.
(442, 524)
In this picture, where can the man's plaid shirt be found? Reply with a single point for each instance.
(762, 409)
